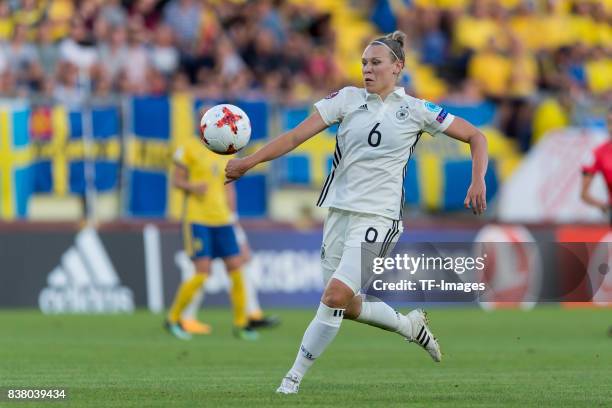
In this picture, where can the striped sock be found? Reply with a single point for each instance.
(319, 334)
(379, 314)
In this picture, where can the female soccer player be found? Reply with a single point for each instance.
(602, 162)
(208, 223)
(379, 128)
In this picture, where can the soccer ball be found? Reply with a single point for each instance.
(225, 129)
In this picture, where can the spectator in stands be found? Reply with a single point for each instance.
(228, 63)
(6, 76)
(88, 11)
(47, 49)
(598, 70)
(29, 13)
(263, 55)
(581, 25)
(113, 53)
(553, 66)
(184, 16)
(476, 30)
(521, 93)
(491, 70)
(552, 113)
(136, 70)
(294, 55)
(113, 13)
(59, 13)
(553, 26)
(602, 26)
(322, 69)
(79, 49)
(270, 19)
(433, 44)
(150, 11)
(575, 69)
(164, 55)
(6, 21)
(67, 90)
(320, 29)
(23, 60)
(524, 25)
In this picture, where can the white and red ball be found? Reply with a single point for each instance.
(225, 129)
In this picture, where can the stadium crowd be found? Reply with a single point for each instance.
(543, 63)
(52, 47)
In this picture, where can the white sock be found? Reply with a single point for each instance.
(319, 334)
(379, 314)
(191, 311)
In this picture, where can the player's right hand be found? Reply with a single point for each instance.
(235, 169)
(476, 197)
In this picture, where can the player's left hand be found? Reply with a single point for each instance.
(476, 197)
(235, 169)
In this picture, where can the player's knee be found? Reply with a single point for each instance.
(202, 266)
(233, 263)
(336, 298)
(204, 272)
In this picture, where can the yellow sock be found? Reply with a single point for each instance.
(184, 294)
(238, 298)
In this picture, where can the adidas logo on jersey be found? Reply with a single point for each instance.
(364, 106)
(85, 281)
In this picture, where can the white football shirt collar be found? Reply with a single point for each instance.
(398, 92)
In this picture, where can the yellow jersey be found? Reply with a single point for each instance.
(203, 166)
(491, 71)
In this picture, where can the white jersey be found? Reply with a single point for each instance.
(373, 145)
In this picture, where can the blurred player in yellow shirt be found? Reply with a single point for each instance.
(208, 232)
(256, 316)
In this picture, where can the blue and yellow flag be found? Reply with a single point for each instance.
(16, 180)
(61, 151)
(158, 126)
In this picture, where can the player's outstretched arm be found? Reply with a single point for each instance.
(476, 197)
(275, 148)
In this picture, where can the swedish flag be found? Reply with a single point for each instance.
(16, 180)
(148, 156)
(158, 126)
(60, 150)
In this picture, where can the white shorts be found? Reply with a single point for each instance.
(343, 235)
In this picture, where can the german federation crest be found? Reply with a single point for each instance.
(402, 114)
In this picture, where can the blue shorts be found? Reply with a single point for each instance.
(202, 241)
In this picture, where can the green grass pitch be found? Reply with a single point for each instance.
(545, 357)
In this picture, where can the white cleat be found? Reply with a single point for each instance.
(422, 335)
(289, 385)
